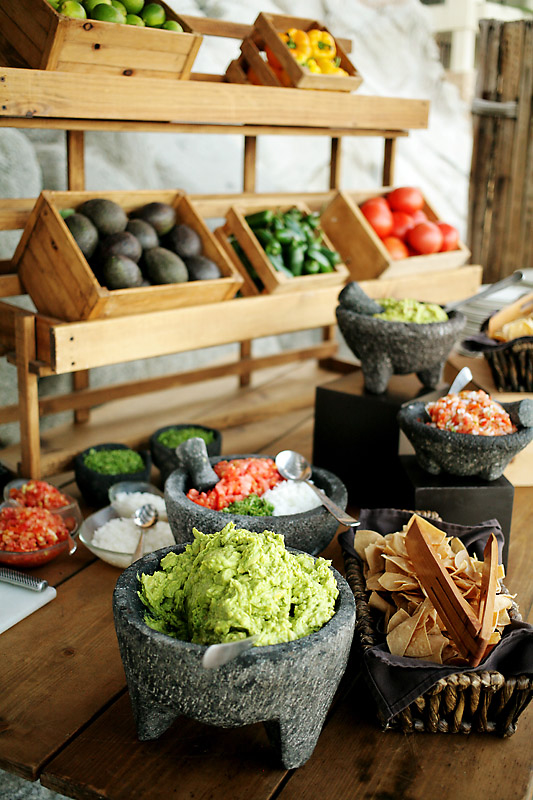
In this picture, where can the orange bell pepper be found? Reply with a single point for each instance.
(272, 59)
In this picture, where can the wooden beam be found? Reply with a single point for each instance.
(75, 161)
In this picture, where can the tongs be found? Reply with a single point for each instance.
(469, 632)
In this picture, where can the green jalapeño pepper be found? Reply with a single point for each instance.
(296, 257)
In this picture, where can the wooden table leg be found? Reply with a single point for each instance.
(76, 161)
(80, 380)
(335, 163)
(28, 397)
(250, 150)
(388, 162)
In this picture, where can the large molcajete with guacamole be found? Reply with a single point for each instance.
(287, 686)
(386, 346)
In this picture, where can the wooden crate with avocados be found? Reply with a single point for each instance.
(34, 34)
(84, 255)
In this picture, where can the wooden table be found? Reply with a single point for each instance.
(65, 714)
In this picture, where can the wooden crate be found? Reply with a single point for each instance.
(265, 34)
(61, 283)
(272, 280)
(33, 34)
(362, 250)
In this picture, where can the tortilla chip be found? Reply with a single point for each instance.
(363, 538)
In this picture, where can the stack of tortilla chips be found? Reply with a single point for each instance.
(411, 622)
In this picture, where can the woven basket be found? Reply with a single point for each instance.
(484, 701)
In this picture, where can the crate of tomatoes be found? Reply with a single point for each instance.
(390, 232)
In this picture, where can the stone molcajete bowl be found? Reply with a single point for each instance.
(388, 348)
(310, 531)
(465, 454)
(288, 686)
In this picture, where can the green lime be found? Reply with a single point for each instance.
(70, 8)
(172, 25)
(133, 6)
(154, 15)
(90, 4)
(106, 13)
(120, 7)
(133, 19)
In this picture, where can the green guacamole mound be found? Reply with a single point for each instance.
(235, 583)
(410, 311)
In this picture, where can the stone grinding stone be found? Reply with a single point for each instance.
(460, 454)
(288, 686)
(388, 348)
(165, 458)
(192, 455)
(310, 531)
(354, 298)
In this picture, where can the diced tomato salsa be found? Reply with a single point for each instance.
(24, 529)
(239, 478)
(470, 412)
(39, 494)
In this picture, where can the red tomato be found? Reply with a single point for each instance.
(396, 247)
(406, 198)
(425, 238)
(419, 216)
(378, 215)
(450, 236)
(401, 223)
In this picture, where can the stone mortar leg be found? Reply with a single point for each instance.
(151, 719)
(431, 376)
(377, 374)
(295, 735)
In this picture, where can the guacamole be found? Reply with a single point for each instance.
(410, 311)
(234, 583)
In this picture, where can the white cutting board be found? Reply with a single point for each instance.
(16, 602)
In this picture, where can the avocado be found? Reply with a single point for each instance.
(120, 272)
(164, 266)
(201, 268)
(107, 216)
(121, 244)
(184, 241)
(161, 216)
(144, 232)
(84, 233)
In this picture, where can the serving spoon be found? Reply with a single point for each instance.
(218, 654)
(144, 517)
(294, 467)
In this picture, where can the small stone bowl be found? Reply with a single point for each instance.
(165, 458)
(460, 453)
(94, 486)
(310, 531)
(388, 348)
(289, 687)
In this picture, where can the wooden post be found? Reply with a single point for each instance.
(28, 398)
(250, 149)
(335, 163)
(80, 380)
(388, 161)
(246, 352)
(75, 161)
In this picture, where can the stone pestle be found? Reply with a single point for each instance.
(193, 457)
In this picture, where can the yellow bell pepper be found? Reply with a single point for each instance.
(312, 66)
(322, 44)
(299, 45)
(328, 66)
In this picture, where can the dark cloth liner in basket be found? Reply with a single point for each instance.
(417, 695)
(511, 363)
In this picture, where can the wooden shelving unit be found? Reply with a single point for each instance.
(41, 346)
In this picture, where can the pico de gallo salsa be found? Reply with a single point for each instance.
(39, 494)
(25, 529)
(471, 412)
(239, 478)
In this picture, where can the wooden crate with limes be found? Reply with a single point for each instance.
(34, 35)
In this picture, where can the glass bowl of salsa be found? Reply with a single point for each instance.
(31, 536)
(32, 493)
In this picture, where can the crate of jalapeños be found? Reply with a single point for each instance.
(281, 249)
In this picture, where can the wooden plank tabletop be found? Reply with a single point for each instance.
(66, 716)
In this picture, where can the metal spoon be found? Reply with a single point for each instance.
(295, 467)
(144, 517)
(218, 654)
(462, 379)
(515, 277)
